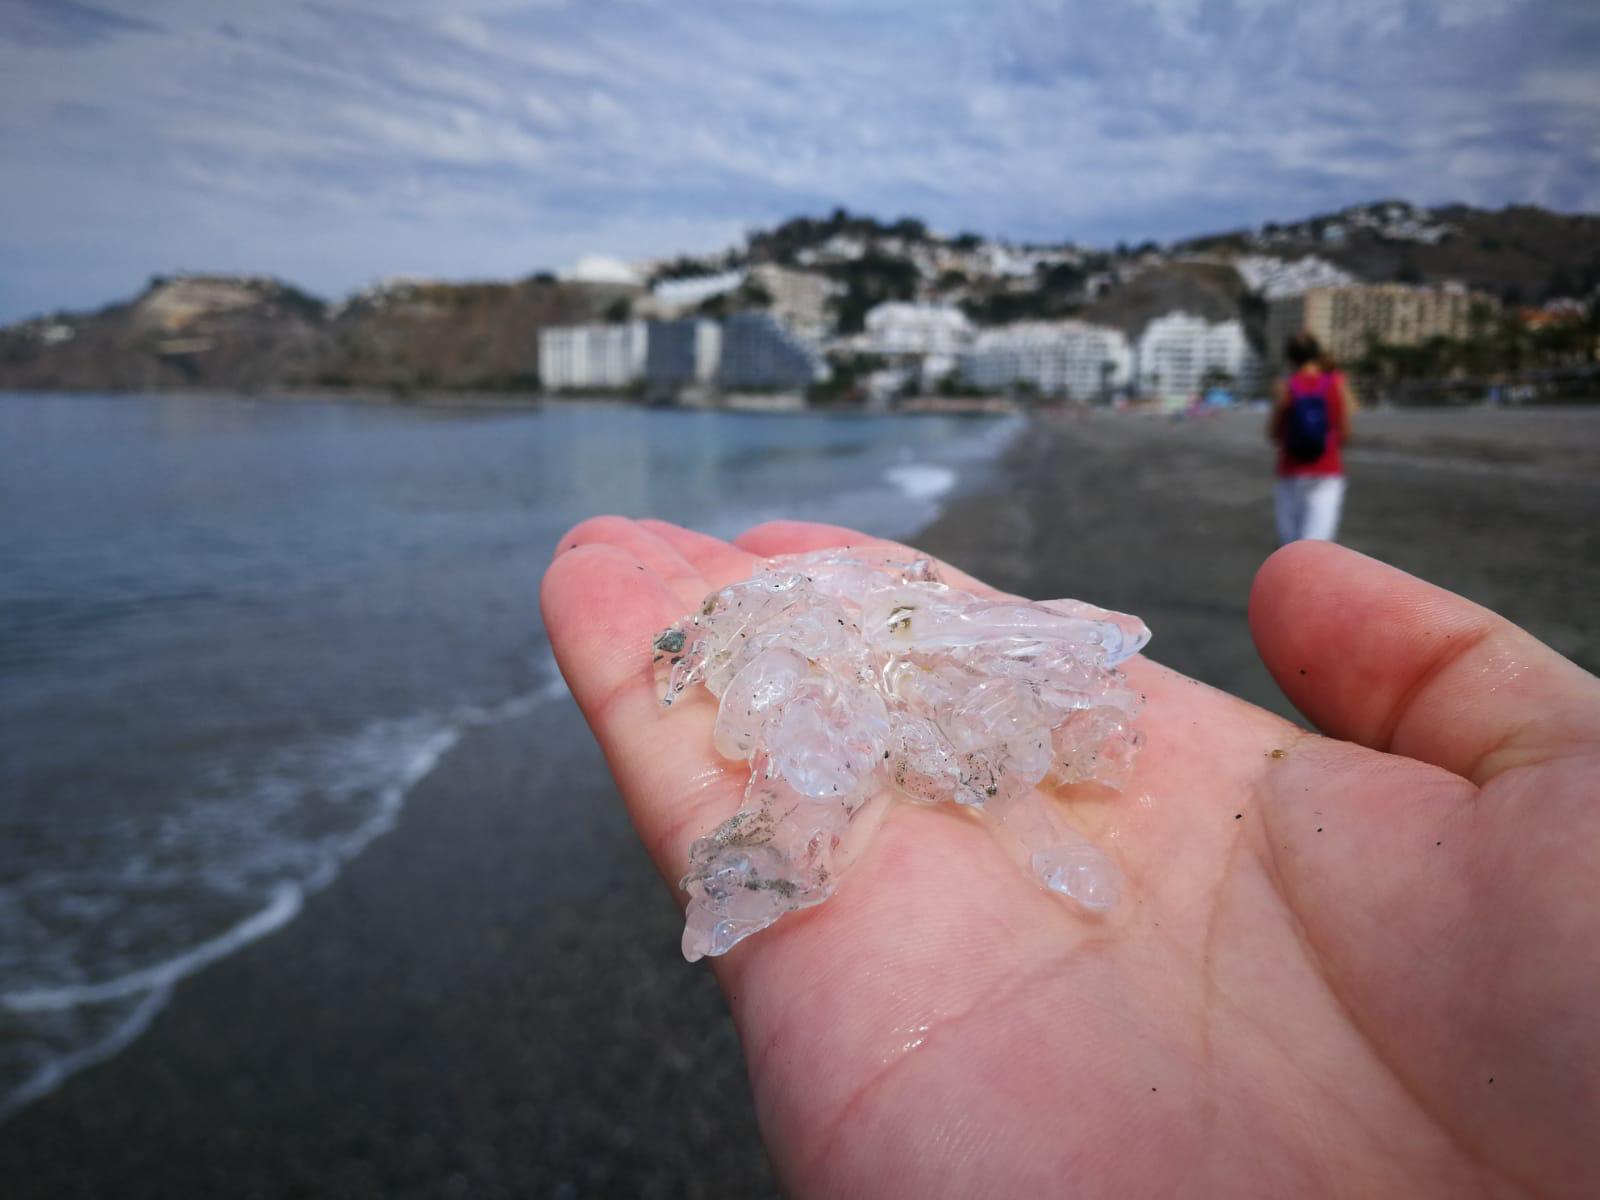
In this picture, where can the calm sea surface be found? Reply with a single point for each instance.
(233, 635)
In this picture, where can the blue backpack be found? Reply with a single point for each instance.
(1305, 427)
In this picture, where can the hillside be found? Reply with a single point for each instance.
(1213, 291)
(193, 331)
(250, 334)
(247, 333)
(1520, 254)
(476, 336)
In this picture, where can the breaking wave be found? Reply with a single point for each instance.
(254, 853)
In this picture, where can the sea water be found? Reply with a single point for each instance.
(234, 634)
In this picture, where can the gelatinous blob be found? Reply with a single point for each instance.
(842, 674)
(753, 697)
(1080, 872)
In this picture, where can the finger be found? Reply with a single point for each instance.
(601, 612)
(799, 537)
(720, 562)
(802, 537)
(652, 552)
(1376, 656)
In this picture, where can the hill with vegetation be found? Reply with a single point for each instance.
(1520, 254)
(255, 334)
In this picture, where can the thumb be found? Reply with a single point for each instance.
(1376, 656)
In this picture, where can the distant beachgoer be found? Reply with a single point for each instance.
(1310, 421)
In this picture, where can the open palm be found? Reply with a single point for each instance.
(1358, 967)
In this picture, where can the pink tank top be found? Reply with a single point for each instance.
(1331, 386)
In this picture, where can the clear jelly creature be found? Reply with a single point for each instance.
(844, 674)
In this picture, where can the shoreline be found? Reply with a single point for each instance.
(489, 999)
(1170, 519)
(780, 404)
(751, 404)
(498, 973)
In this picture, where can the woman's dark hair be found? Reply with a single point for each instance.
(1301, 349)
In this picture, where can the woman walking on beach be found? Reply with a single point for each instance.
(1310, 421)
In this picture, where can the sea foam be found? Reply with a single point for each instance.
(77, 1023)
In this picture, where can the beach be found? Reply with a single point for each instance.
(489, 1000)
(1170, 519)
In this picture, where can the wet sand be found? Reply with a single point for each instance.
(490, 1002)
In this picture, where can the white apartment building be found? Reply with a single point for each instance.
(1059, 358)
(585, 357)
(1178, 350)
(1277, 278)
(675, 296)
(901, 327)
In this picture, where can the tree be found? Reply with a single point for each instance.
(909, 228)
(753, 295)
(1061, 278)
(869, 281)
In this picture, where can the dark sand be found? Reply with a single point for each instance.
(1170, 519)
(490, 1002)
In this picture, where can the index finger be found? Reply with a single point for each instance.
(801, 537)
(602, 607)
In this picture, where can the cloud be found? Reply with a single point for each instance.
(337, 142)
(65, 24)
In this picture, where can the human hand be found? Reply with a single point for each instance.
(1365, 966)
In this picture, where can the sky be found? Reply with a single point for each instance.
(335, 143)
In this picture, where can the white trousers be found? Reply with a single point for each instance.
(1308, 506)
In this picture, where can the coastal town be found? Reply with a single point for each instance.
(922, 348)
(846, 311)
(772, 329)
